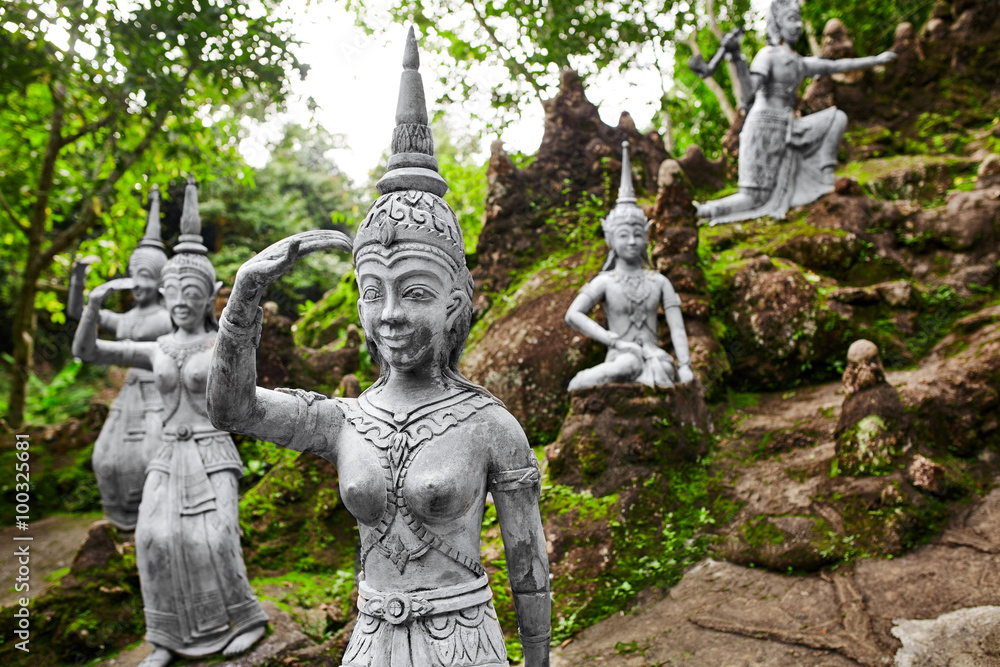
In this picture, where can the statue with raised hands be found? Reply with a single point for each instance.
(420, 449)
(196, 595)
(785, 161)
(131, 432)
(632, 294)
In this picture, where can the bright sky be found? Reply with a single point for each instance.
(355, 79)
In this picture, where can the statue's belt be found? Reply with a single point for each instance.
(399, 607)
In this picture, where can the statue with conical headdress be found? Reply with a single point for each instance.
(195, 591)
(784, 161)
(632, 294)
(131, 432)
(420, 449)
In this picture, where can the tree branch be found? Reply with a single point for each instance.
(90, 128)
(20, 224)
(509, 59)
(734, 79)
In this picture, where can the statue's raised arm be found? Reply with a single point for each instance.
(235, 402)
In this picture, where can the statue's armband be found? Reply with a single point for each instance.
(507, 481)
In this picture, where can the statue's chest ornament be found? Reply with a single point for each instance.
(398, 437)
(637, 287)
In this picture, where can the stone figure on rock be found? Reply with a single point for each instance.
(418, 452)
(196, 595)
(632, 294)
(785, 161)
(131, 432)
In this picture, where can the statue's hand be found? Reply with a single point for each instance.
(886, 57)
(99, 293)
(270, 264)
(685, 374)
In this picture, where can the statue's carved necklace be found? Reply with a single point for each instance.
(636, 287)
(398, 436)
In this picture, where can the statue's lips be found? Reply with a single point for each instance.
(180, 312)
(396, 339)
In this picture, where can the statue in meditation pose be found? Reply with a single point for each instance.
(196, 596)
(632, 294)
(420, 449)
(131, 433)
(784, 161)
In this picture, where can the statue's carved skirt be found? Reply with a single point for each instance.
(455, 626)
(194, 584)
(128, 439)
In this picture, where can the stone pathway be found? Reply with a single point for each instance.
(56, 541)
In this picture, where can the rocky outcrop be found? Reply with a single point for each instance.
(578, 156)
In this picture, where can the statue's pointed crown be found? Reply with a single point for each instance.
(149, 251)
(190, 239)
(189, 253)
(411, 211)
(151, 237)
(412, 165)
(626, 210)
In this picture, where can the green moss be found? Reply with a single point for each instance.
(298, 593)
(759, 531)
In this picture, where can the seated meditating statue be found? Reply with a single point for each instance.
(785, 161)
(632, 294)
(196, 597)
(418, 452)
(131, 433)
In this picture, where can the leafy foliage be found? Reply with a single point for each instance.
(100, 95)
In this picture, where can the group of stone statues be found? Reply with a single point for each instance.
(419, 451)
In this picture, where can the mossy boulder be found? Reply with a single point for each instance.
(618, 433)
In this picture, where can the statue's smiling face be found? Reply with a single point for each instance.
(628, 242)
(145, 285)
(406, 307)
(187, 300)
(790, 25)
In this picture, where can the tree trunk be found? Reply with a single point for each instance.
(25, 326)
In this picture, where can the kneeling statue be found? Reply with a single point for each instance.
(785, 161)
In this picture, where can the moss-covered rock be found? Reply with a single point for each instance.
(616, 434)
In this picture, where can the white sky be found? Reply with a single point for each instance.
(354, 79)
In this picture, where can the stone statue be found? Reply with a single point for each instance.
(632, 294)
(131, 433)
(195, 592)
(785, 161)
(420, 449)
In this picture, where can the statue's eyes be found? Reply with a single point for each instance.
(371, 294)
(420, 293)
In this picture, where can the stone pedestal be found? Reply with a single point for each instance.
(616, 434)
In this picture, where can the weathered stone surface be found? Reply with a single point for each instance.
(98, 549)
(618, 433)
(703, 173)
(778, 324)
(962, 638)
(926, 475)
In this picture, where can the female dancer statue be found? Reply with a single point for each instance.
(785, 161)
(195, 593)
(418, 452)
(131, 433)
